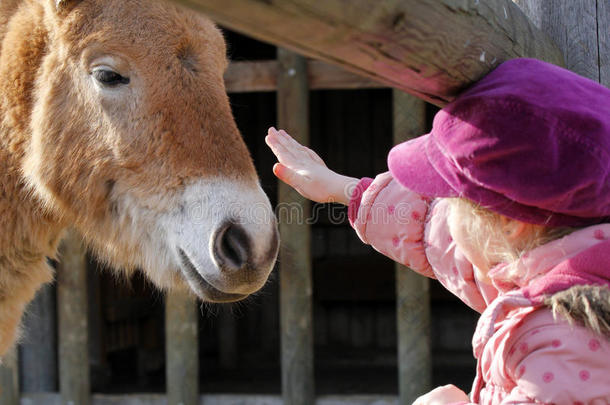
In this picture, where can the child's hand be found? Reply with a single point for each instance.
(447, 394)
(302, 169)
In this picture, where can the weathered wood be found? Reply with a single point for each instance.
(251, 76)
(213, 399)
(429, 48)
(97, 330)
(295, 252)
(9, 379)
(73, 353)
(38, 347)
(260, 76)
(181, 349)
(603, 35)
(412, 290)
(571, 24)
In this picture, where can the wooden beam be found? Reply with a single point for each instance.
(212, 399)
(429, 48)
(9, 379)
(244, 77)
(253, 76)
(295, 251)
(412, 290)
(73, 338)
(38, 348)
(182, 349)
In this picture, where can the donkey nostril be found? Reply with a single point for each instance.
(231, 247)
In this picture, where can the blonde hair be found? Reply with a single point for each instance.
(487, 230)
(585, 305)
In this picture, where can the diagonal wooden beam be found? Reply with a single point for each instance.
(429, 48)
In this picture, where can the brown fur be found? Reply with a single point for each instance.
(62, 152)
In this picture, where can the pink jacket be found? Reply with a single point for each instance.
(524, 355)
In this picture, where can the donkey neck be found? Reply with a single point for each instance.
(23, 45)
(29, 232)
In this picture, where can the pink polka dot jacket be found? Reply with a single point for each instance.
(524, 355)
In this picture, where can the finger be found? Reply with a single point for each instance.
(283, 154)
(287, 139)
(286, 174)
(293, 145)
(298, 154)
(273, 144)
(273, 133)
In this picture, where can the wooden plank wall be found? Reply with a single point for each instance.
(603, 35)
(210, 399)
(574, 26)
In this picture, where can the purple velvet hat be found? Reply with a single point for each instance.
(530, 141)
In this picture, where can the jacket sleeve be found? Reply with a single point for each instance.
(414, 231)
(557, 363)
(391, 218)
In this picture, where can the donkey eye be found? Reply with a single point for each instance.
(109, 78)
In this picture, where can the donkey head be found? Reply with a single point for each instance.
(134, 143)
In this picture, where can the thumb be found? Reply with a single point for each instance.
(286, 174)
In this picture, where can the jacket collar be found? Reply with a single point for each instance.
(537, 263)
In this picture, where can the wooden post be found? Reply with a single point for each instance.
(295, 252)
(412, 291)
(72, 313)
(429, 48)
(9, 379)
(181, 349)
(38, 348)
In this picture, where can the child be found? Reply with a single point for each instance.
(508, 203)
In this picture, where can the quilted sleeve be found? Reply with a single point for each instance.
(391, 218)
